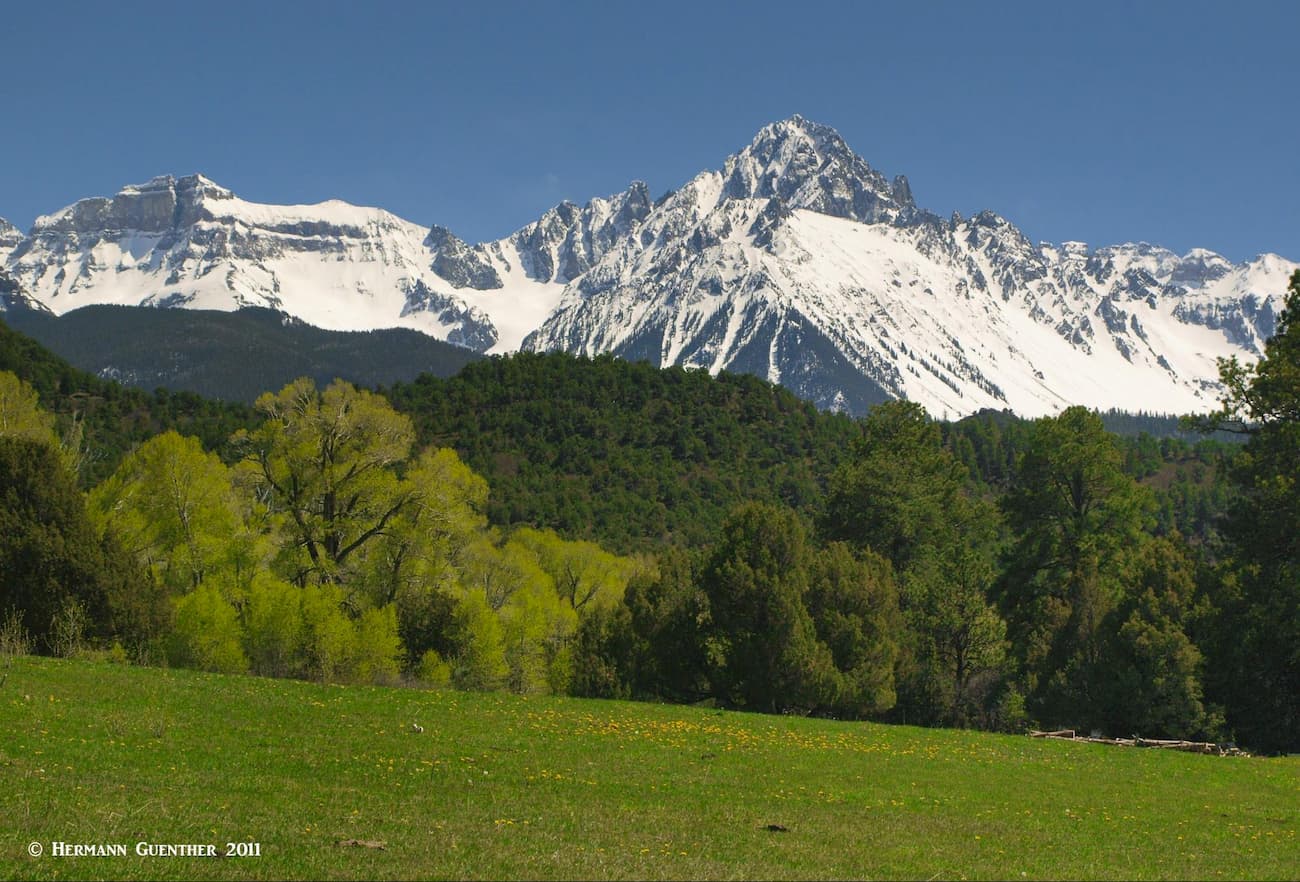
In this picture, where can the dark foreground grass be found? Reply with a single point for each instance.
(501, 786)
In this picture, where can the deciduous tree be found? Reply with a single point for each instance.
(327, 460)
(172, 505)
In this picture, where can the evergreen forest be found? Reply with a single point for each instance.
(231, 356)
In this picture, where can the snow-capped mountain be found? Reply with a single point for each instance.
(800, 263)
(796, 261)
(189, 242)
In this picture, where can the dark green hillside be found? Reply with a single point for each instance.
(1160, 426)
(624, 452)
(606, 449)
(114, 417)
(234, 356)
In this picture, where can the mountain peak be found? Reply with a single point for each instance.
(10, 236)
(1204, 256)
(797, 144)
(195, 182)
(461, 265)
(800, 126)
(808, 165)
(567, 240)
(160, 204)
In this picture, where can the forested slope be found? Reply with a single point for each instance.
(233, 356)
(113, 417)
(625, 452)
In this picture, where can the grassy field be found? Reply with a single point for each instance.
(500, 786)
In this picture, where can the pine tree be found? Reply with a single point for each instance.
(1259, 649)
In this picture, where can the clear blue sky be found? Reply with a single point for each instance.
(1174, 123)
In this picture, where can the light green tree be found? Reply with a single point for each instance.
(537, 628)
(206, 633)
(480, 660)
(274, 632)
(499, 571)
(583, 573)
(327, 462)
(379, 654)
(172, 505)
(425, 556)
(329, 636)
(21, 415)
(423, 548)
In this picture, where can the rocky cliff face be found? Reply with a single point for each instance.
(163, 205)
(10, 238)
(462, 265)
(567, 240)
(14, 298)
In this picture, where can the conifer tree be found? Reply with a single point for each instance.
(1259, 647)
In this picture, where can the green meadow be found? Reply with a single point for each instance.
(506, 786)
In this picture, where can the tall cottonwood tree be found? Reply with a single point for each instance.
(584, 574)
(421, 561)
(326, 461)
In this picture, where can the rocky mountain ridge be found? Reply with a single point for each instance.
(800, 263)
(796, 261)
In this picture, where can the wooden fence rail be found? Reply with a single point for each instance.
(1208, 747)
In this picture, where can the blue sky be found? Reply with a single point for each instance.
(1173, 123)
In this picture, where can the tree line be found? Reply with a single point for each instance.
(677, 537)
(913, 597)
(330, 549)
